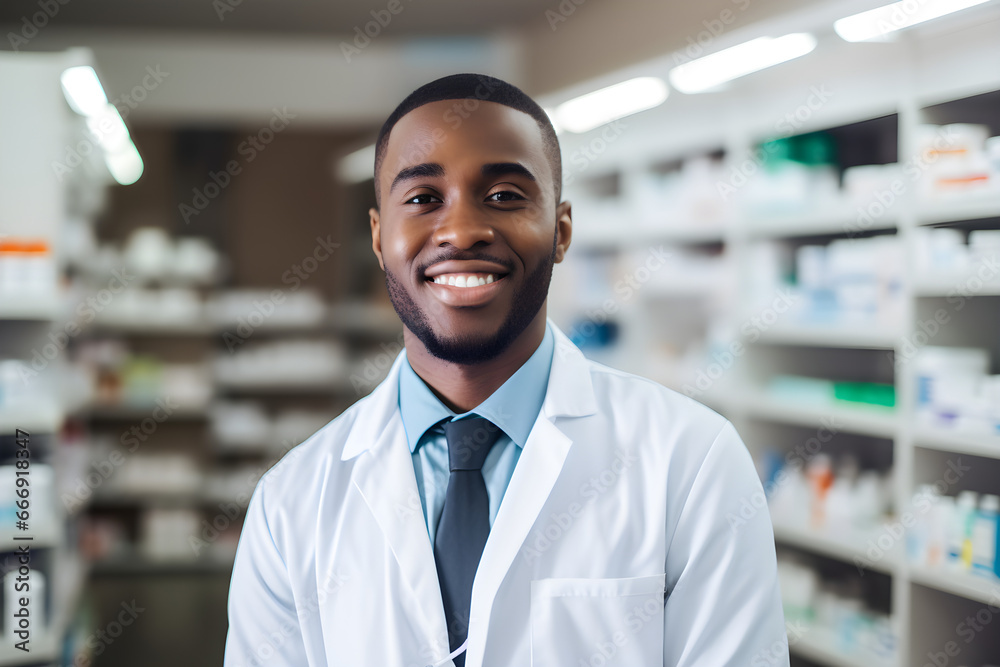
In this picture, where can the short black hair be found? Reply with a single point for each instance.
(476, 87)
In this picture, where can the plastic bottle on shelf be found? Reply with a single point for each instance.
(819, 472)
(960, 541)
(941, 516)
(918, 536)
(984, 536)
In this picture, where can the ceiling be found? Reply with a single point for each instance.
(312, 17)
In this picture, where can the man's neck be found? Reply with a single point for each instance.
(462, 387)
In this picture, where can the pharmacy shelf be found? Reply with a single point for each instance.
(143, 566)
(272, 327)
(35, 419)
(970, 586)
(684, 287)
(44, 307)
(614, 236)
(849, 549)
(961, 443)
(873, 420)
(836, 336)
(363, 318)
(200, 328)
(111, 499)
(838, 219)
(153, 327)
(963, 285)
(961, 209)
(285, 386)
(820, 645)
(140, 412)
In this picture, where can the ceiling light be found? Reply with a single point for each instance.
(125, 165)
(879, 22)
(85, 94)
(608, 104)
(713, 70)
(83, 90)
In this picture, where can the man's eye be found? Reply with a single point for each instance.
(423, 196)
(506, 195)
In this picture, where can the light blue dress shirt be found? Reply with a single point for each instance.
(513, 407)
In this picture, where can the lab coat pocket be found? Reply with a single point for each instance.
(597, 622)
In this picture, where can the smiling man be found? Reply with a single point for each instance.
(499, 500)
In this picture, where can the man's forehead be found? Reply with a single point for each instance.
(444, 125)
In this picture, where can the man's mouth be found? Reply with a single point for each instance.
(466, 279)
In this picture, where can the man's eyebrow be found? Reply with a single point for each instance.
(495, 169)
(422, 170)
(433, 169)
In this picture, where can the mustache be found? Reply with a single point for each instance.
(465, 255)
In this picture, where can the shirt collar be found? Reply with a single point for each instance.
(513, 407)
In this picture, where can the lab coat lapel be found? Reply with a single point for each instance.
(569, 394)
(384, 476)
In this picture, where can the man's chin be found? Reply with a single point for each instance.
(465, 348)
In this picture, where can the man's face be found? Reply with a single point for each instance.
(449, 218)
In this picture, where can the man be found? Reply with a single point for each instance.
(500, 500)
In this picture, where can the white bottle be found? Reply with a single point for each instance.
(984, 535)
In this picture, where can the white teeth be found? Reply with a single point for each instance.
(464, 280)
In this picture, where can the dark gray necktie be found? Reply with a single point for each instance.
(465, 521)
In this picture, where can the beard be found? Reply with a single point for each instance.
(468, 349)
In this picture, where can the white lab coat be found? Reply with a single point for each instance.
(623, 539)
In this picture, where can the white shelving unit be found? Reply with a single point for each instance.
(914, 79)
(338, 321)
(37, 130)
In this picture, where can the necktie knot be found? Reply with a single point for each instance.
(469, 441)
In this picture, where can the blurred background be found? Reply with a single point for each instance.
(788, 210)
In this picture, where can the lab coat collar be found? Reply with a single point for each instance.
(569, 393)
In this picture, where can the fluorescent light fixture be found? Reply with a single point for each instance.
(108, 128)
(83, 90)
(85, 94)
(602, 106)
(879, 22)
(120, 154)
(357, 167)
(125, 165)
(713, 70)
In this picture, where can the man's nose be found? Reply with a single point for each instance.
(463, 224)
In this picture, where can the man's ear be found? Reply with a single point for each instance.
(376, 236)
(564, 229)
